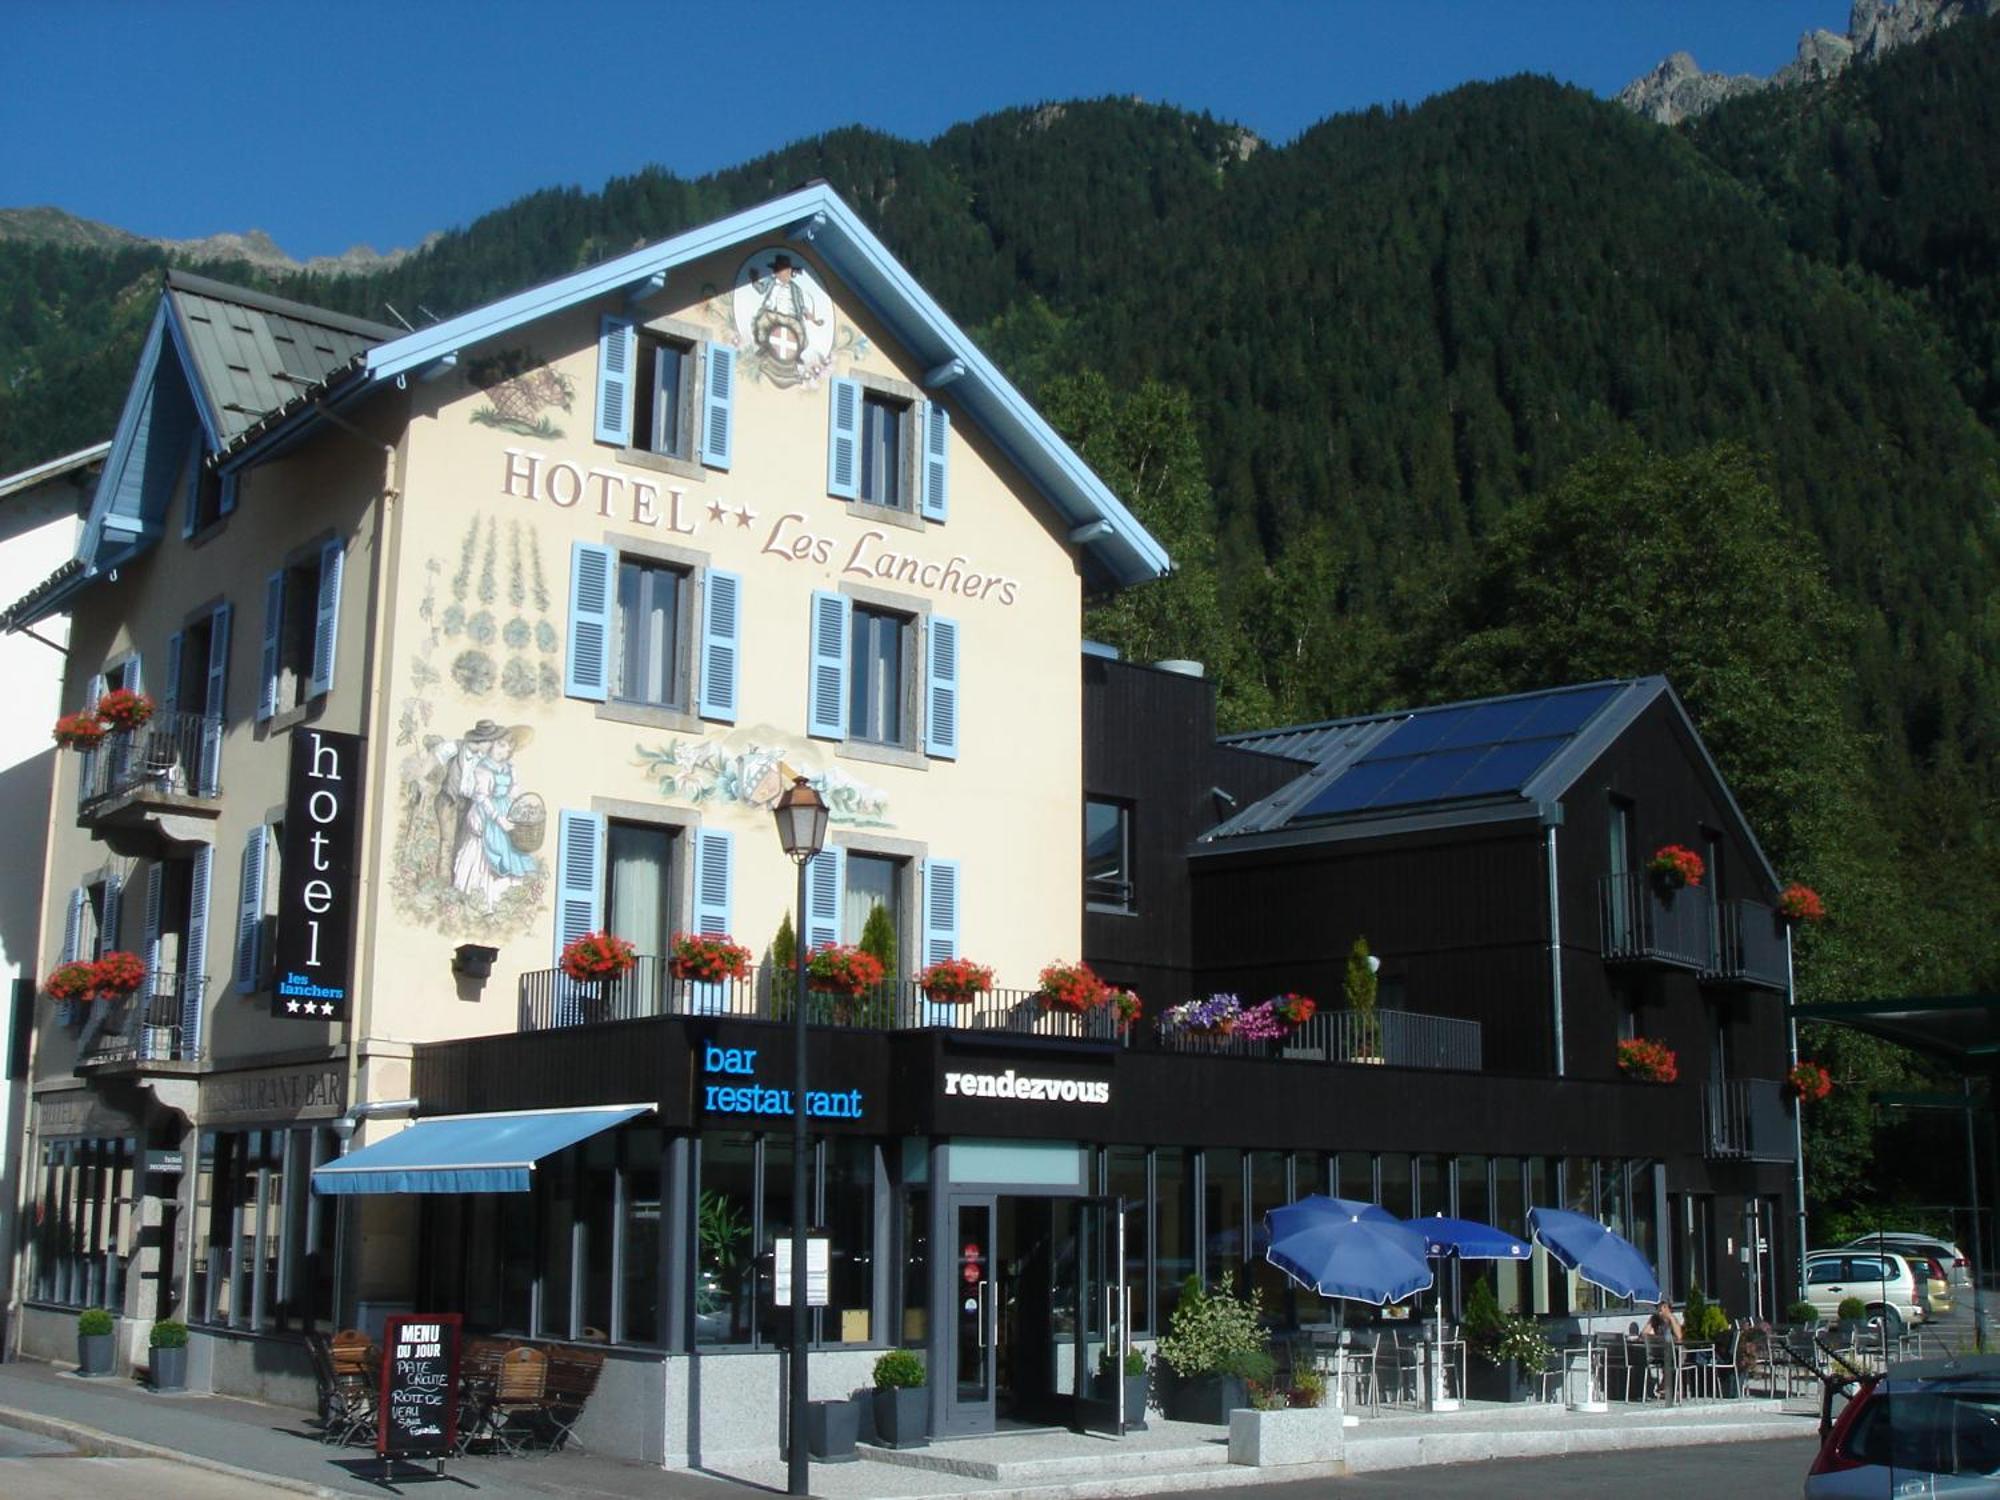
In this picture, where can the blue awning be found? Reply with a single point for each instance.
(468, 1153)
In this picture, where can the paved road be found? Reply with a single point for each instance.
(39, 1468)
(1773, 1471)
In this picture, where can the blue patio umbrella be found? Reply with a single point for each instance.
(1599, 1255)
(1468, 1239)
(1341, 1248)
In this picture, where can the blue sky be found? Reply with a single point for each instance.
(352, 120)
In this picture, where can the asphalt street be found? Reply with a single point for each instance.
(39, 1468)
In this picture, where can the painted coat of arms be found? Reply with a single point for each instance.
(782, 320)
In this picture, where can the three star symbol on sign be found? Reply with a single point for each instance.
(309, 1007)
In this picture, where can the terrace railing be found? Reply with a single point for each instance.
(1744, 1119)
(1749, 946)
(550, 999)
(154, 1024)
(1643, 922)
(172, 753)
(1393, 1038)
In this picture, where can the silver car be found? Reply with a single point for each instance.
(1909, 1241)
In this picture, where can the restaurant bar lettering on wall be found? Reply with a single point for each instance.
(316, 877)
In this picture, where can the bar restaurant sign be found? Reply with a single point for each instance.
(316, 877)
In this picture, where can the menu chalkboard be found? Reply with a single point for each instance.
(419, 1416)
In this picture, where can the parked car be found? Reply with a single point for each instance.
(1911, 1242)
(1883, 1280)
(1928, 1428)
(1935, 1291)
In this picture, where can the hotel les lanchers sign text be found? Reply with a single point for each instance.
(630, 500)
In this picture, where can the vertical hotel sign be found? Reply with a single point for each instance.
(316, 877)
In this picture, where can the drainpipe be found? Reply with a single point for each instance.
(1555, 945)
(1798, 1120)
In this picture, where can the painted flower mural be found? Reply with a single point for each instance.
(738, 769)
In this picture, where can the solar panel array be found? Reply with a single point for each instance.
(1453, 754)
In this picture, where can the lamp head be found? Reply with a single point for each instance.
(801, 818)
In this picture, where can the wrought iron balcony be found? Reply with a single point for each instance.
(1645, 922)
(151, 1025)
(1745, 1119)
(1392, 1038)
(1749, 946)
(153, 789)
(550, 999)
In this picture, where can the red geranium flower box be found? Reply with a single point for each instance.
(1072, 987)
(118, 974)
(1648, 1060)
(597, 955)
(1801, 903)
(1676, 865)
(842, 969)
(708, 957)
(122, 708)
(1809, 1082)
(75, 980)
(955, 981)
(83, 730)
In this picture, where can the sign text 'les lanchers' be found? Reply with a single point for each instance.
(316, 878)
(630, 500)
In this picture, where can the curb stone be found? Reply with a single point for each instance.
(96, 1443)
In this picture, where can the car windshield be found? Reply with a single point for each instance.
(1941, 1429)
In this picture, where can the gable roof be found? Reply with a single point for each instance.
(1450, 764)
(1120, 548)
(55, 468)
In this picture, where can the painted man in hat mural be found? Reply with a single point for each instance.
(488, 854)
(779, 327)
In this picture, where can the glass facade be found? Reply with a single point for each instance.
(80, 1240)
(264, 1240)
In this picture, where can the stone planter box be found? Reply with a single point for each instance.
(1207, 1398)
(1298, 1435)
(902, 1417)
(1506, 1381)
(831, 1430)
(94, 1353)
(170, 1369)
(1135, 1402)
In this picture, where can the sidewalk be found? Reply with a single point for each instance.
(280, 1447)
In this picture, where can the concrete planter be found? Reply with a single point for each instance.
(902, 1417)
(94, 1353)
(1298, 1435)
(1207, 1398)
(1135, 1402)
(831, 1430)
(170, 1369)
(1505, 1381)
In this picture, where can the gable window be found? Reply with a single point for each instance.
(885, 425)
(887, 447)
(879, 655)
(651, 597)
(663, 411)
(209, 494)
(1107, 855)
(649, 399)
(301, 630)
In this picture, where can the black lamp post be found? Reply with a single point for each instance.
(802, 830)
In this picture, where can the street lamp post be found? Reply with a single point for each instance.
(801, 818)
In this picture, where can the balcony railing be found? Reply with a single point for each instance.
(173, 754)
(1644, 922)
(550, 999)
(1745, 1119)
(150, 1025)
(1394, 1038)
(1749, 946)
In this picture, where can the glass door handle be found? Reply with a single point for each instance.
(981, 1296)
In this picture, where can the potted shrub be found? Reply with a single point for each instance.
(707, 957)
(1800, 904)
(597, 955)
(1285, 1425)
(902, 1404)
(82, 730)
(169, 1355)
(1215, 1348)
(955, 981)
(1507, 1349)
(1648, 1061)
(1071, 987)
(1801, 1314)
(123, 709)
(1358, 988)
(1675, 865)
(93, 1342)
(1136, 1381)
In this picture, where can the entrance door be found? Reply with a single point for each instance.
(975, 1317)
(1098, 1309)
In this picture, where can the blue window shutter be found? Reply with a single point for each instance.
(592, 595)
(194, 952)
(714, 862)
(135, 673)
(149, 948)
(170, 700)
(826, 693)
(107, 931)
(940, 909)
(215, 690)
(721, 631)
(579, 875)
(718, 407)
(225, 494)
(250, 913)
(79, 902)
(274, 620)
(326, 624)
(826, 883)
(843, 439)
(941, 688)
(617, 347)
(937, 461)
(191, 488)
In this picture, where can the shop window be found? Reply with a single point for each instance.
(1355, 1173)
(1270, 1187)
(847, 1215)
(652, 634)
(725, 1247)
(876, 685)
(265, 1256)
(1396, 1183)
(81, 1242)
(1223, 1246)
(1173, 1207)
(637, 1320)
(1125, 1180)
(913, 1247)
(1107, 855)
(1433, 1196)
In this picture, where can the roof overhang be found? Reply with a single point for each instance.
(1959, 1029)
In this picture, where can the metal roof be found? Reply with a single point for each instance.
(55, 468)
(1961, 1029)
(250, 354)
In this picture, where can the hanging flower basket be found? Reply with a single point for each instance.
(955, 981)
(1648, 1061)
(597, 955)
(1801, 903)
(119, 974)
(1676, 865)
(1294, 1010)
(82, 730)
(1217, 1015)
(1126, 1008)
(708, 957)
(843, 970)
(1809, 1082)
(75, 980)
(1071, 987)
(124, 709)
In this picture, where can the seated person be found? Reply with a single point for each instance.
(1663, 1323)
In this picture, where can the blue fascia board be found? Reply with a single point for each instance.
(889, 291)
